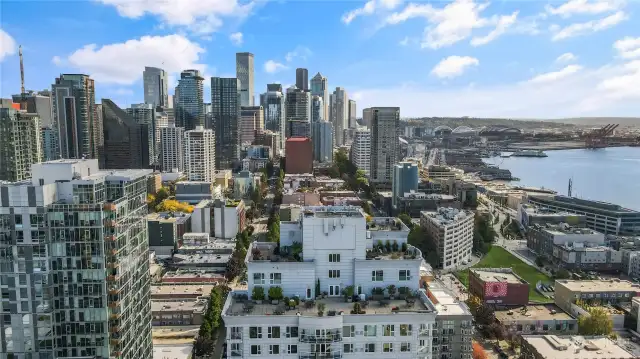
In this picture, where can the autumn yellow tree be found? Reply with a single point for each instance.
(171, 205)
(597, 322)
(478, 351)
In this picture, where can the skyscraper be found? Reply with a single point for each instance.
(39, 103)
(322, 141)
(367, 115)
(172, 148)
(20, 144)
(200, 154)
(320, 87)
(302, 79)
(339, 113)
(189, 107)
(244, 74)
(73, 101)
(360, 154)
(155, 87)
(126, 142)
(82, 270)
(385, 129)
(273, 105)
(225, 109)
(251, 119)
(274, 87)
(352, 114)
(317, 109)
(298, 112)
(145, 114)
(405, 179)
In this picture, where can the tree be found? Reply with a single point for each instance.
(406, 219)
(202, 346)
(563, 274)
(539, 261)
(367, 207)
(478, 351)
(171, 205)
(597, 322)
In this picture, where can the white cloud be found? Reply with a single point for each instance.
(369, 8)
(122, 91)
(566, 57)
(56, 60)
(123, 63)
(628, 47)
(454, 66)
(272, 66)
(404, 42)
(454, 22)
(583, 28)
(556, 75)
(299, 52)
(7, 45)
(504, 23)
(236, 38)
(575, 7)
(201, 17)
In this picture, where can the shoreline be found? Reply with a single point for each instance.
(559, 147)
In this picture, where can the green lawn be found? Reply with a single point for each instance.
(500, 258)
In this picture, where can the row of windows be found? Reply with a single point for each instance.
(274, 349)
(378, 275)
(274, 332)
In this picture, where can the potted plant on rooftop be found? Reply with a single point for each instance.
(394, 246)
(275, 294)
(348, 292)
(391, 289)
(257, 294)
(321, 307)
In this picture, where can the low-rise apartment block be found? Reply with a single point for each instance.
(568, 292)
(176, 313)
(537, 319)
(453, 330)
(572, 347)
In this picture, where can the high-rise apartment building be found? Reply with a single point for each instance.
(155, 83)
(452, 231)
(360, 154)
(75, 261)
(320, 87)
(385, 129)
(98, 129)
(73, 100)
(244, 74)
(39, 103)
(299, 154)
(51, 143)
(317, 109)
(189, 107)
(339, 113)
(251, 120)
(172, 148)
(274, 87)
(298, 112)
(367, 116)
(126, 142)
(20, 144)
(270, 139)
(302, 79)
(200, 154)
(322, 140)
(405, 180)
(273, 105)
(352, 114)
(225, 108)
(145, 114)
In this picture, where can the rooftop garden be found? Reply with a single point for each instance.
(392, 250)
(232, 203)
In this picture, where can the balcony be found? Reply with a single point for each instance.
(109, 207)
(114, 291)
(112, 278)
(109, 223)
(111, 238)
(328, 338)
(114, 304)
(236, 353)
(115, 316)
(114, 329)
(113, 264)
(320, 355)
(115, 341)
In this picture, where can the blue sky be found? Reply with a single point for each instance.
(522, 59)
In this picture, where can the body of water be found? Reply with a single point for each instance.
(609, 175)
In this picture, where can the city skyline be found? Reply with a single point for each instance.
(566, 59)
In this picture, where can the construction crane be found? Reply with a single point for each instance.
(23, 94)
(598, 138)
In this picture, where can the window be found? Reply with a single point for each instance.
(570, 326)
(377, 276)
(405, 330)
(388, 330)
(347, 348)
(292, 349)
(334, 273)
(273, 332)
(370, 348)
(334, 257)
(255, 332)
(236, 332)
(545, 327)
(369, 330)
(256, 350)
(387, 347)
(258, 278)
(558, 326)
(405, 274)
(348, 331)
(276, 278)
(292, 332)
(274, 349)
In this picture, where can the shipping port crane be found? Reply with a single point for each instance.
(598, 138)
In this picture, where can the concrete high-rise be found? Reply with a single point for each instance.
(298, 112)
(200, 154)
(322, 140)
(82, 263)
(126, 142)
(172, 148)
(20, 144)
(145, 114)
(251, 119)
(320, 87)
(39, 103)
(51, 143)
(299, 154)
(274, 87)
(360, 154)
(302, 79)
(352, 114)
(317, 109)
(273, 105)
(385, 129)
(339, 114)
(73, 100)
(225, 109)
(155, 87)
(405, 180)
(244, 74)
(189, 107)
(367, 115)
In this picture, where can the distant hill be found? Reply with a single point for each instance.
(454, 122)
(600, 121)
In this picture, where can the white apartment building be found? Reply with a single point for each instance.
(200, 154)
(361, 150)
(172, 148)
(452, 230)
(330, 249)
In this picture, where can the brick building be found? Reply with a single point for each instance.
(299, 155)
(498, 286)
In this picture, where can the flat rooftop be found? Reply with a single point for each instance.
(445, 301)
(446, 215)
(533, 312)
(187, 290)
(178, 306)
(576, 347)
(193, 276)
(498, 275)
(200, 258)
(559, 200)
(332, 211)
(172, 351)
(612, 285)
(386, 224)
(562, 229)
